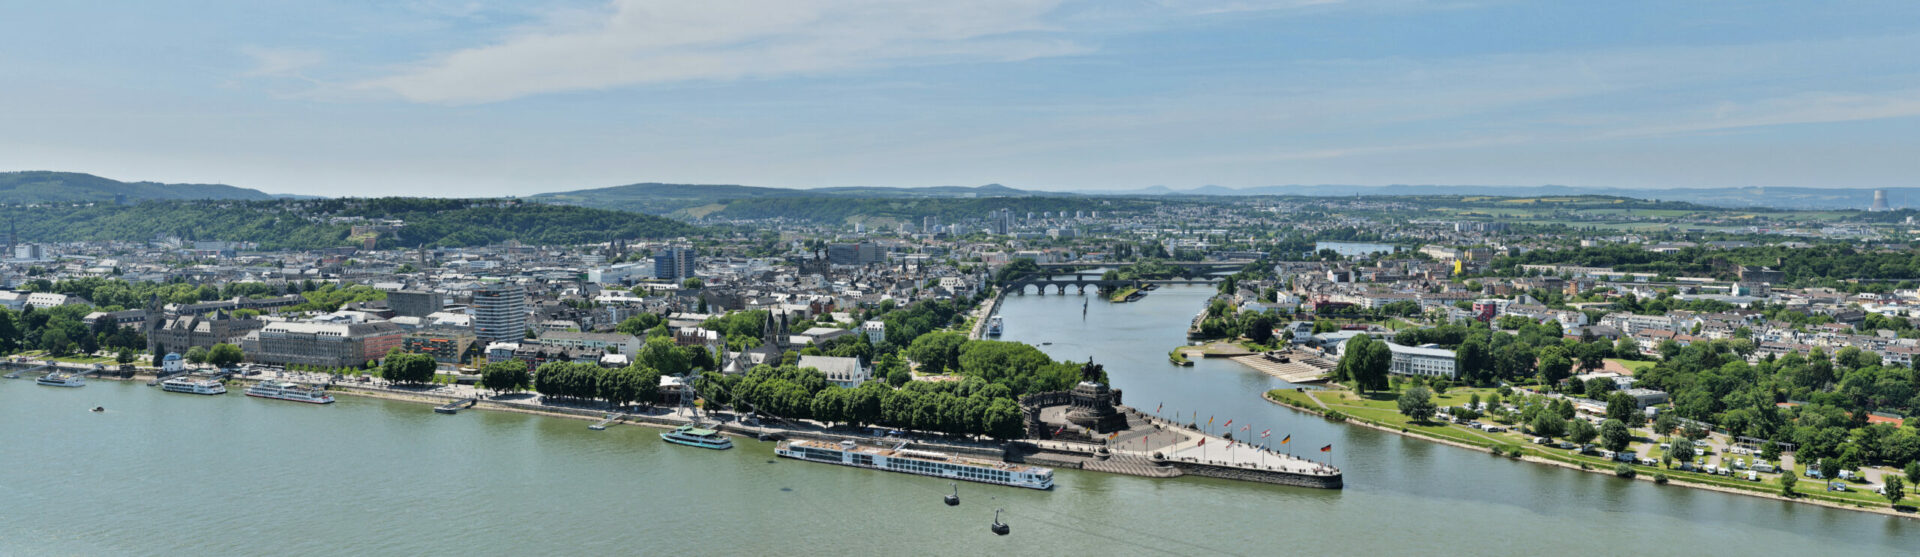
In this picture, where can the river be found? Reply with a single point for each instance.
(174, 474)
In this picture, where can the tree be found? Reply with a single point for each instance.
(1417, 403)
(1364, 363)
(1895, 490)
(1665, 423)
(638, 325)
(1259, 329)
(1787, 480)
(1581, 431)
(663, 356)
(124, 357)
(937, 352)
(1622, 407)
(1681, 450)
(1768, 450)
(693, 283)
(225, 355)
(401, 367)
(1554, 365)
(197, 355)
(1614, 435)
(508, 376)
(1548, 424)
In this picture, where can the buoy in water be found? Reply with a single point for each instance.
(954, 500)
(99, 408)
(1000, 528)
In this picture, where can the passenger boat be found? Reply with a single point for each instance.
(697, 437)
(925, 463)
(193, 386)
(994, 325)
(283, 390)
(61, 379)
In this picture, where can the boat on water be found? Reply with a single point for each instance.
(925, 463)
(61, 379)
(994, 325)
(283, 390)
(694, 436)
(193, 386)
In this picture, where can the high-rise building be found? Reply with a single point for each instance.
(674, 263)
(500, 312)
(929, 224)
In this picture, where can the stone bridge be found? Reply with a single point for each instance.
(1190, 266)
(1060, 283)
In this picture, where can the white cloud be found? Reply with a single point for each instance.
(280, 62)
(639, 42)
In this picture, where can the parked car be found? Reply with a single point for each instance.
(1753, 476)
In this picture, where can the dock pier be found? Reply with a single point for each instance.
(610, 420)
(456, 406)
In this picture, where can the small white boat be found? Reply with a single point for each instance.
(994, 325)
(61, 379)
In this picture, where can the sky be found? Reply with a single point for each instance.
(484, 98)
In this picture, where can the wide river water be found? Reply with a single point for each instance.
(175, 474)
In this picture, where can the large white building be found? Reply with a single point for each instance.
(1421, 361)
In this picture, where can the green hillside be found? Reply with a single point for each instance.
(311, 224)
(41, 186)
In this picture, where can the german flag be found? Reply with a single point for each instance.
(1284, 440)
(1326, 449)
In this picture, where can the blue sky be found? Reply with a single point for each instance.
(462, 98)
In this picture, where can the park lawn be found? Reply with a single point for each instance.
(1121, 295)
(1636, 365)
(1381, 409)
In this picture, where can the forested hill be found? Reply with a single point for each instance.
(310, 224)
(67, 187)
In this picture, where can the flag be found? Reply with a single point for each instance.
(1056, 433)
(1209, 420)
(1326, 449)
(1203, 441)
(1156, 409)
(1113, 435)
(1264, 434)
(1229, 423)
(1284, 440)
(1248, 427)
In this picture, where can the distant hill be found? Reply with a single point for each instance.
(1792, 198)
(40, 186)
(698, 200)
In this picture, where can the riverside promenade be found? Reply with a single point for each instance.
(1156, 447)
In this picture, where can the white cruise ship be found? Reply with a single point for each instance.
(925, 463)
(61, 379)
(994, 324)
(193, 386)
(289, 391)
